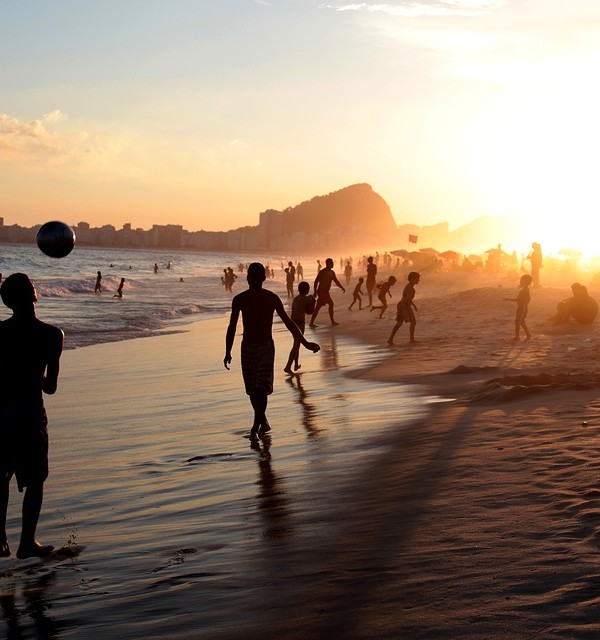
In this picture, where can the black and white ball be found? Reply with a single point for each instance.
(56, 239)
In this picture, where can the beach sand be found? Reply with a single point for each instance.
(445, 489)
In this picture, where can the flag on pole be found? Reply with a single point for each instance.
(412, 239)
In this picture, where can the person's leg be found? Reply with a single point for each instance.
(394, 331)
(259, 401)
(413, 324)
(4, 492)
(32, 505)
(315, 314)
(383, 308)
(330, 305)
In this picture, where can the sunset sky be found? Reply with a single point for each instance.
(206, 113)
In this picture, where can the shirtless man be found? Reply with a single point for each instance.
(406, 308)
(371, 276)
(257, 306)
(322, 287)
(29, 363)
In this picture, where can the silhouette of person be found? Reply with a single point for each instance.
(405, 308)
(155, 267)
(348, 272)
(98, 287)
(581, 306)
(522, 300)
(322, 287)
(301, 305)
(257, 306)
(371, 276)
(384, 291)
(29, 367)
(535, 257)
(119, 293)
(299, 271)
(357, 295)
(290, 276)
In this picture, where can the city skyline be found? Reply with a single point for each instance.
(208, 113)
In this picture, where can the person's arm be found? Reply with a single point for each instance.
(229, 337)
(337, 282)
(293, 328)
(50, 380)
(316, 283)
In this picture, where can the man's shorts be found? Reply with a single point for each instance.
(24, 444)
(257, 367)
(323, 298)
(405, 312)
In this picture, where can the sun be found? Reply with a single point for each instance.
(536, 158)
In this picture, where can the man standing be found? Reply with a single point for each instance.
(257, 306)
(30, 351)
(322, 290)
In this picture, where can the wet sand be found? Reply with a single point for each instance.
(447, 489)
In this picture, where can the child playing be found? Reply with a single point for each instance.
(405, 308)
(356, 295)
(522, 300)
(302, 304)
(384, 290)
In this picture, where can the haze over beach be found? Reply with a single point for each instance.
(441, 488)
(205, 114)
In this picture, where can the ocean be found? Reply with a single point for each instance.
(153, 303)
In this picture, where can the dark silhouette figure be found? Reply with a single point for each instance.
(348, 272)
(371, 277)
(119, 293)
(257, 306)
(581, 307)
(155, 267)
(357, 295)
(322, 291)
(384, 291)
(301, 305)
(522, 300)
(98, 287)
(290, 277)
(535, 257)
(299, 271)
(29, 365)
(405, 308)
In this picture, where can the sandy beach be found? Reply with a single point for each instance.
(445, 489)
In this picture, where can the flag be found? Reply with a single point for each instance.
(412, 238)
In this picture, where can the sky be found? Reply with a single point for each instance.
(205, 113)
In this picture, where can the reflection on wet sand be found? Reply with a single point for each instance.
(309, 411)
(271, 493)
(19, 619)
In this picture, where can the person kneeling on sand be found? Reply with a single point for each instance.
(29, 363)
(580, 306)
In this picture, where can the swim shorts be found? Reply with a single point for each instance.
(257, 367)
(24, 444)
(405, 312)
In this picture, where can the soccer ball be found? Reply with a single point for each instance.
(56, 239)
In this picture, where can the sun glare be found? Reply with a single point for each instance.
(536, 159)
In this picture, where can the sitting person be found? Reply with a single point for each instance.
(581, 306)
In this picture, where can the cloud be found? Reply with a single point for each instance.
(424, 8)
(48, 141)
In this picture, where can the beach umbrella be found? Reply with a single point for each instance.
(401, 253)
(429, 251)
(450, 255)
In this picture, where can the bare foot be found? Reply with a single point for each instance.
(35, 550)
(297, 367)
(334, 324)
(288, 370)
(264, 428)
(4, 549)
(312, 324)
(390, 341)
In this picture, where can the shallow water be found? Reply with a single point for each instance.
(188, 529)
